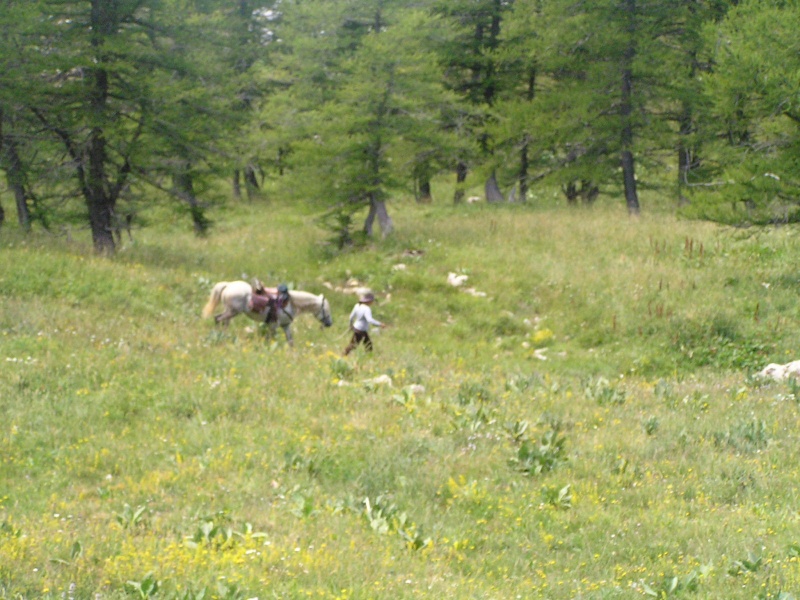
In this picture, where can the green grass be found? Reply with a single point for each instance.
(144, 453)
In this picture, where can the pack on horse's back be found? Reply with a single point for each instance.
(269, 302)
(260, 300)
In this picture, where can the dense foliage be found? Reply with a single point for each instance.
(111, 106)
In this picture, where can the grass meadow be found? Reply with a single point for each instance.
(589, 428)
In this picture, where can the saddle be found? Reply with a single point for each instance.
(260, 300)
(265, 301)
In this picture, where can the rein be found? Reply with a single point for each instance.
(283, 310)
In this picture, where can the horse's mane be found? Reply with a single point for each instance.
(302, 299)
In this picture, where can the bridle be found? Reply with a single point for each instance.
(322, 316)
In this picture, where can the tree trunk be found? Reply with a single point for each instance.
(377, 209)
(524, 161)
(251, 182)
(686, 154)
(589, 192)
(184, 188)
(281, 161)
(237, 186)
(570, 190)
(524, 165)
(629, 178)
(384, 220)
(493, 193)
(15, 176)
(370, 220)
(626, 109)
(98, 202)
(424, 195)
(461, 177)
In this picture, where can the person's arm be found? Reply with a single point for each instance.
(370, 319)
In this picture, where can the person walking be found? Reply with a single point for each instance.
(360, 320)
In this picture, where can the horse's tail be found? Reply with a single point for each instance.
(213, 299)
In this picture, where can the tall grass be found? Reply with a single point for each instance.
(590, 428)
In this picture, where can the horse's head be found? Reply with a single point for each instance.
(324, 313)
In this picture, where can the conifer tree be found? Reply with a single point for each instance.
(616, 84)
(755, 93)
(21, 70)
(472, 70)
(363, 105)
(115, 83)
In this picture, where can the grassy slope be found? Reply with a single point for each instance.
(140, 444)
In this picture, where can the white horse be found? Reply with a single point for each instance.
(236, 297)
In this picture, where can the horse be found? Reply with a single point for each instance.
(237, 298)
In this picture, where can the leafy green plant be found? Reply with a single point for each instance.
(517, 430)
(672, 585)
(302, 505)
(340, 368)
(191, 594)
(405, 399)
(560, 498)
(302, 461)
(746, 436)
(379, 513)
(473, 393)
(130, 518)
(384, 517)
(602, 392)
(522, 383)
(212, 534)
(664, 391)
(412, 534)
(543, 456)
(229, 591)
(7, 529)
(75, 552)
(751, 564)
(651, 425)
(472, 417)
(146, 588)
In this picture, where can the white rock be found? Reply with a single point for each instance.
(380, 380)
(456, 280)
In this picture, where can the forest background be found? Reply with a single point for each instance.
(111, 108)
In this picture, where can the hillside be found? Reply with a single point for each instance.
(585, 424)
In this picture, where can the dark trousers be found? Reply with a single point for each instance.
(358, 337)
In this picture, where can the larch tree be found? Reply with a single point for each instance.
(611, 76)
(22, 66)
(472, 70)
(365, 102)
(100, 91)
(755, 94)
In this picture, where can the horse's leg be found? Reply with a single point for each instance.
(287, 331)
(225, 317)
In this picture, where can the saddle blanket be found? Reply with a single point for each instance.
(259, 303)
